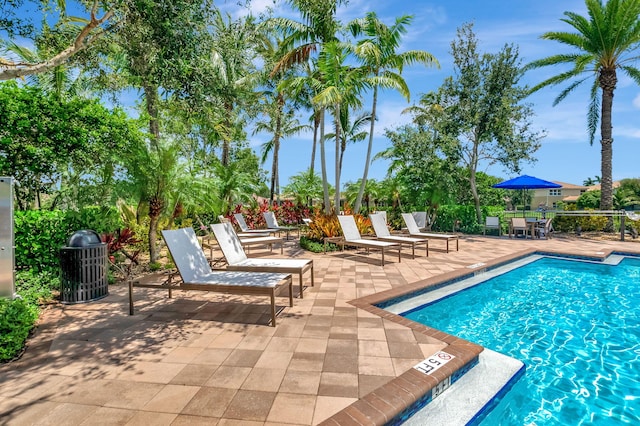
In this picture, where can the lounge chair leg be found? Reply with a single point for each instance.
(130, 297)
(413, 251)
(273, 307)
(312, 279)
(382, 262)
(300, 278)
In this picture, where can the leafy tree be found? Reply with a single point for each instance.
(418, 163)
(604, 42)
(628, 193)
(44, 138)
(480, 109)
(377, 52)
(164, 45)
(588, 200)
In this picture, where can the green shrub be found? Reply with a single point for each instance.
(447, 216)
(39, 234)
(315, 246)
(17, 318)
(37, 287)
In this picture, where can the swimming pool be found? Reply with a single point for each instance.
(576, 326)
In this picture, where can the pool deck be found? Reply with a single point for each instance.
(201, 358)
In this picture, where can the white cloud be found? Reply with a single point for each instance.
(636, 101)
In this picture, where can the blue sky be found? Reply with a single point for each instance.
(565, 154)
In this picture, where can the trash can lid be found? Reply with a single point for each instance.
(84, 238)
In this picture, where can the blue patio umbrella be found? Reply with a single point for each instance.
(526, 182)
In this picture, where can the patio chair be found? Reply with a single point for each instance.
(237, 259)
(492, 222)
(272, 224)
(352, 237)
(246, 231)
(414, 231)
(545, 229)
(382, 233)
(519, 224)
(196, 274)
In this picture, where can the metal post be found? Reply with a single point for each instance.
(622, 226)
(7, 244)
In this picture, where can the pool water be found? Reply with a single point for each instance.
(576, 326)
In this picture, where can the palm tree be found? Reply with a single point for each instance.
(605, 41)
(235, 77)
(377, 52)
(318, 28)
(351, 132)
(340, 88)
(281, 124)
(304, 187)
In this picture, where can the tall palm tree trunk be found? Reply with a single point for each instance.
(316, 125)
(226, 136)
(323, 166)
(337, 131)
(151, 98)
(608, 81)
(358, 204)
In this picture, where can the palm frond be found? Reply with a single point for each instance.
(566, 91)
(593, 114)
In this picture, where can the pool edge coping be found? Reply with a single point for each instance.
(392, 399)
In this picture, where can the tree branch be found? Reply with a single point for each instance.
(10, 70)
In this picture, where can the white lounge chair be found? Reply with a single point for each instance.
(237, 259)
(414, 231)
(246, 231)
(383, 234)
(196, 273)
(492, 222)
(353, 238)
(250, 240)
(272, 224)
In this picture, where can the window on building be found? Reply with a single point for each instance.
(555, 192)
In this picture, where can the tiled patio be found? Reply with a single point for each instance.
(212, 359)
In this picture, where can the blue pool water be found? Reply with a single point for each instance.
(575, 325)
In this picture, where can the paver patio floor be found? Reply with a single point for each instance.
(212, 359)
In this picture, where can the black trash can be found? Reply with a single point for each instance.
(83, 266)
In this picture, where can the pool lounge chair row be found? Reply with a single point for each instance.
(243, 276)
(384, 239)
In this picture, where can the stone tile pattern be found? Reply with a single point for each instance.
(199, 358)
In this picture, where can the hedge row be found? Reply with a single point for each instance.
(39, 234)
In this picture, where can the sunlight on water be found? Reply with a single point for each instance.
(575, 325)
